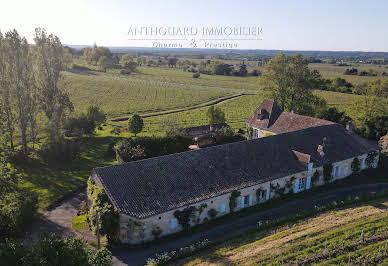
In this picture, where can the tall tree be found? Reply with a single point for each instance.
(49, 62)
(215, 115)
(135, 124)
(291, 82)
(19, 72)
(374, 102)
(5, 95)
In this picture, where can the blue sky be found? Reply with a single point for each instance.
(287, 25)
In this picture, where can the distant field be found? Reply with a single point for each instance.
(178, 76)
(329, 71)
(355, 235)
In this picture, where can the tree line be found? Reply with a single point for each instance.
(29, 76)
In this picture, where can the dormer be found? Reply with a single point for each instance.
(263, 114)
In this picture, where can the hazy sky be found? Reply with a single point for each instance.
(286, 24)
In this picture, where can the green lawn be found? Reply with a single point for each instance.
(53, 180)
(80, 223)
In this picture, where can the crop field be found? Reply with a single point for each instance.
(236, 110)
(120, 96)
(356, 235)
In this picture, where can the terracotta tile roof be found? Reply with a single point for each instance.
(282, 122)
(265, 114)
(302, 157)
(153, 186)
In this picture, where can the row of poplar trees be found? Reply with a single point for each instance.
(29, 91)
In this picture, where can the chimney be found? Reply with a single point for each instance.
(320, 150)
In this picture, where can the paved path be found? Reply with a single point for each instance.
(57, 220)
(138, 256)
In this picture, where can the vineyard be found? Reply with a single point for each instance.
(117, 96)
(352, 236)
(160, 91)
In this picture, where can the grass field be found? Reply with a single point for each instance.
(358, 232)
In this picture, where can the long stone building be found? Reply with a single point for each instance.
(149, 194)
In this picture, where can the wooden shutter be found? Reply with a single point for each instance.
(310, 167)
(345, 171)
(242, 202)
(173, 223)
(267, 194)
(308, 182)
(296, 186)
(250, 199)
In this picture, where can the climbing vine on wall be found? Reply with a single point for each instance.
(258, 192)
(277, 189)
(198, 211)
(289, 183)
(109, 216)
(370, 159)
(184, 216)
(212, 213)
(327, 170)
(355, 165)
(315, 177)
(232, 199)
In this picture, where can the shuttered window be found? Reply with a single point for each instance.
(173, 223)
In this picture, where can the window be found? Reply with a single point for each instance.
(339, 171)
(246, 200)
(173, 223)
(222, 208)
(255, 133)
(302, 183)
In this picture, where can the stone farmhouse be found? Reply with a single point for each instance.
(151, 194)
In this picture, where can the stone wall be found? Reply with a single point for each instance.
(134, 231)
